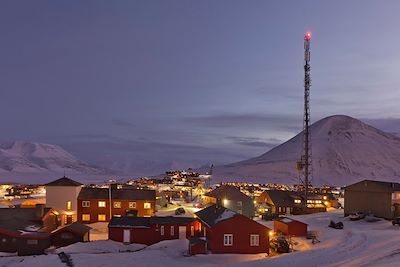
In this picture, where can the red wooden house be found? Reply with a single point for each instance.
(149, 230)
(229, 232)
(289, 226)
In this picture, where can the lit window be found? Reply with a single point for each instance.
(172, 230)
(86, 217)
(162, 230)
(85, 204)
(101, 217)
(254, 240)
(117, 205)
(32, 241)
(228, 240)
(192, 230)
(69, 205)
(147, 205)
(297, 201)
(132, 205)
(102, 204)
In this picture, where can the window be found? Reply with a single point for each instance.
(101, 217)
(85, 217)
(162, 230)
(32, 242)
(117, 205)
(228, 240)
(69, 205)
(85, 204)
(102, 204)
(297, 201)
(254, 240)
(192, 230)
(172, 230)
(132, 205)
(147, 205)
(239, 203)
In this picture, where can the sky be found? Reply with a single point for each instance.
(139, 84)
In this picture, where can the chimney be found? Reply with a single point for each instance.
(39, 210)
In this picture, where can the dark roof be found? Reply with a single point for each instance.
(64, 181)
(123, 193)
(146, 222)
(287, 220)
(20, 218)
(391, 186)
(228, 192)
(282, 198)
(76, 227)
(215, 214)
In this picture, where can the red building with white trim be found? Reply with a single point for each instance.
(226, 231)
(149, 230)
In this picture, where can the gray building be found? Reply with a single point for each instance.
(232, 198)
(379, 198)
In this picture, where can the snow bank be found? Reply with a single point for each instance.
(101, 246)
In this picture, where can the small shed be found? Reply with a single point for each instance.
(70, 234)
(288, 226)
(197, 245)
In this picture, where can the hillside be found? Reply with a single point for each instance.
(344, 149)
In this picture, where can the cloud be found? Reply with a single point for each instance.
(254, 141)
(274, 121)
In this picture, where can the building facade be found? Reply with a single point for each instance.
(61, 195)
(149, 230)
(381, 199)
(231, 198)
(101, 204)
(226, 231)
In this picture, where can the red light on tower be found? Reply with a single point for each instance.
(307, 36)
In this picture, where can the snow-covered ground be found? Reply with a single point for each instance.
(359, 244)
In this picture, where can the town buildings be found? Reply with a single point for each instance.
(26, 230)
(232, 198)
(101, 204)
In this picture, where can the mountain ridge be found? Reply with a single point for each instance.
(344, 149)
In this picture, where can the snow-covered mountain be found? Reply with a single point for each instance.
(27, 158)
(345, 150)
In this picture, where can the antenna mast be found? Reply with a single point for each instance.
(305, 164)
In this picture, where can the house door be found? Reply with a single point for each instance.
(127, 236)
(68, 219)
(182, 232)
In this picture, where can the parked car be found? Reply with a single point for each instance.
(396, 221)
(180, 211)
(338, 225)
(198, 205)
(357, 216)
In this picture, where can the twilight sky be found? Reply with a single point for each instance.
(139, 84)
